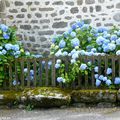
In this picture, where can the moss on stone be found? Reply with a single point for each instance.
(94, 95)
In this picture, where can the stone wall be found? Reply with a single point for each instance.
(39, 20)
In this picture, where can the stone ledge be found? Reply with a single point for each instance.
(40, 97)
(56, 97)
(94, 96)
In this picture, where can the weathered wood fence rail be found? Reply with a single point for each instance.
(26, 72)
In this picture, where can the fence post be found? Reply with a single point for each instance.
(53, 72)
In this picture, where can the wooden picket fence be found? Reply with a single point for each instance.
(46, 76)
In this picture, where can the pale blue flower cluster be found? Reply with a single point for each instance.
(60, 79)
(10, 49)
(75, 42)
(102, 79)
(83, 66)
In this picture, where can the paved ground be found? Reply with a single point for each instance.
(61, 114)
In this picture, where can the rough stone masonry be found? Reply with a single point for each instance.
(39, 20)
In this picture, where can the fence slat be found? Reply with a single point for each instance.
(79, 75)
(106, 64)
(99, 64)
(119, 64)
(40, 72)
(92, 74)
(10, 75)
(28, 75)
(53, 72)
(46, 72)
(22, 72)
(16, 73)
(86, 75)
(113, 68)
(35, 72)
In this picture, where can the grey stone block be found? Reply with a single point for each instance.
(20, 16)
(84, 9)
(118, 5)
(44, 21)
(38, 15)
(25, 27)
(70, 3)
(23, 10)
(54, 14)
(101, 1)
(62, 12)
(116, 17)
(59, 24)
(19, 3)
(74, 10)
(98, 8)
(89, 1)
(79, 2)
(49, 32)
(46, 9)
(58, 3)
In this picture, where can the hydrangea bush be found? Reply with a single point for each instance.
(10, 48)
(84, 40)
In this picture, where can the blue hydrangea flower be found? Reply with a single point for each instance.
(4, 52)
(27, 53)
(104, 79)
(93, 50)
(80, 23)
(75, 42)
(82, 52)
(4, 28)
(65, 53)
(74, 26)
(57, 66)
(17, 53)
(83, 67)
(53, 40)
(96, 76)
(100, 40)
(98, 83)
(102, 29)
(73, 61)
(58, 61)
(108, 82)
(117, 81)
(96, 69)
(85, 27)
(113, 38)
(118, 41)
(15, 47)
(60, 79)
(70, 30)
(25, 70)
(1, 53)
(111, 46)
(66, 34)
(8, 46)
(6, 36)
(1, 47)
(62, 44)
(75, 56)
(109, 71)
(73, 34)
(89, 39)
(118, 52)
(31, 72)
(101, 77)
(58, 53)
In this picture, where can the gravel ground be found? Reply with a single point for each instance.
(61, 114)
